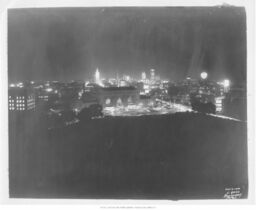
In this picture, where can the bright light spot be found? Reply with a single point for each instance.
(48, 89)
(140, 109)
(204, 75)
(20, 84)
(12, 85)
(226, 83)
(146, 86)
(32, 82)
(108, 101)
(218, 101)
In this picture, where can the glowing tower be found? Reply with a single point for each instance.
(152, 74)
(143, 76)
(97, 77)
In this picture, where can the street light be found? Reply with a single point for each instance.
(203, 75)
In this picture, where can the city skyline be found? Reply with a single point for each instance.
(69, 44)
(127, 103)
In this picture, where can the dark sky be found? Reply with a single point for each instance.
(70, 43)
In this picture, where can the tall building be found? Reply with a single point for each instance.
(152, 74)
(235, 103)
(21, 99)
(97, 77)
(143, 76)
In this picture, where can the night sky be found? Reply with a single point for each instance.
(70, 43)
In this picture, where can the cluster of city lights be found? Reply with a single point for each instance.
(149, 84)
(20, 85)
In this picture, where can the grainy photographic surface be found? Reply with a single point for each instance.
(127, 103)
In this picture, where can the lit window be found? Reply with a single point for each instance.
(119, 102)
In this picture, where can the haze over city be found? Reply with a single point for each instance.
(70, 43)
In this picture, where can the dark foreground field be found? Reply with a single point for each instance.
(180, 156)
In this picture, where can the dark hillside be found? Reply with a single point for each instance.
(179, 156)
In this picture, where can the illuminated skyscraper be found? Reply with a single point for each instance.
(226, 85)
(143, 76)
(152, 74)
(97, 77)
